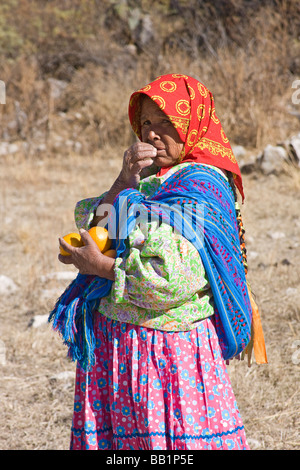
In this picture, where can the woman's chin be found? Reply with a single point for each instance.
(163, 162)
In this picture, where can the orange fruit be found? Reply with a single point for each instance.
(73, 239)
(100, 236)
(110, 253)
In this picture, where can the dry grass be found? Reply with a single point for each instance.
(71, 146)
(269, 396)
(37, 201)
(237, 56)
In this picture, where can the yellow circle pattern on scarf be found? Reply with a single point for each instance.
(192, 137)
(179, 75)
(202, 90)
(159, 101)
(167, 86)
(183, 107)
(192, 92)
(224, 138)
(146, 88)
(214, 117)
(201, 111)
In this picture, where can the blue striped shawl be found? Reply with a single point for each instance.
(198, 202)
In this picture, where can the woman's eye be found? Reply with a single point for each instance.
(147, 122)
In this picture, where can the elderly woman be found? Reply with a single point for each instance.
(158, 323)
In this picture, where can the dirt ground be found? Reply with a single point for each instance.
(37, 199)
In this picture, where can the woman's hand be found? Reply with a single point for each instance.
(137, 160)
(88, 259)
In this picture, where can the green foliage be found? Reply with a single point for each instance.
(11, 41)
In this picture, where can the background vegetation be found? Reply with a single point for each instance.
(70, 66)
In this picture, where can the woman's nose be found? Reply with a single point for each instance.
(152, 135)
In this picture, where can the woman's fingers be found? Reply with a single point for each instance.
(87, 258)
(86, 238)
(139, 165)
(66, 247)
(66, 259)
(139, 156)
(139, 152)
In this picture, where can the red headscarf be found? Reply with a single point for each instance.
(190, 107)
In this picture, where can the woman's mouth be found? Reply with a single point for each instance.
(160, 151)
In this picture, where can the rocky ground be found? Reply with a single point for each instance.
(37, 200)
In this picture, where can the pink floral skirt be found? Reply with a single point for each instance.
(152, 390)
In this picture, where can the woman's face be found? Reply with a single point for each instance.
(157, 130)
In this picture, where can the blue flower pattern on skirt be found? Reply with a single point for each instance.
(170, 392)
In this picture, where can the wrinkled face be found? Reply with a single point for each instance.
(158, 130)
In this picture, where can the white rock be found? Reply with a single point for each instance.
(253, 255)
(142, 28)
(2, 353)
(77, 147)
(65, 375)
(7, 285)
(12, 124)
(8, 220)
(7, 148)
(41, 147)
(272, 159)
(3, 148)
(131, 48)
(39, 320)
(13, 148)
(254, 444)
(239, 151)
(250, 239)
(291, 291)
(50, 293)
(57, 87)
(59, 276)
(277, 235)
